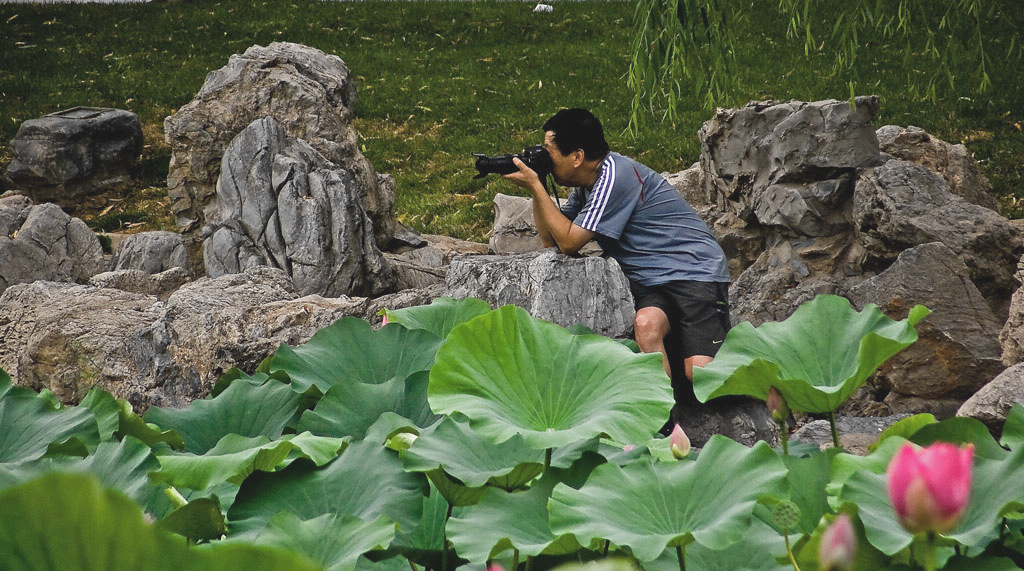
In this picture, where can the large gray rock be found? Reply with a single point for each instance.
(309, 93)
(151, 252)
(75, 152)
(900, 204)
(514, 231)
(745, 420)
(426, 267)
(792, 272)
(787, 164)
(1011, 337)
(69, 338)
(280, 203)
(954, 163)
(161, 284)
(551, 286)
(993, 402)
(42, 242)
(957, 350)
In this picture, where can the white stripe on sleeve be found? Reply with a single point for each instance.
(601, 193)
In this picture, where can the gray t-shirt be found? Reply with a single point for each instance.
(642, 222)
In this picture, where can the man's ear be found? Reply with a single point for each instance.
(578, 157)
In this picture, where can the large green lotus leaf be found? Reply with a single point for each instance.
(68, 522)
(351, 350)
(424, 543)
(649, 505)
(511, 373)
(131, 424)
(332, 540)
(817, 358)
(235, 457)
(961, 430)
(350, 409)
(502, 521)
(200, 519)
(469, 457)
(760, 550)
(1013, 428)
(994, 492)
(846, 465)
(105, 409)
(246, 408)
(904, 428)
(123, 466)
(366, 481)
(440, 317)
(30, 425)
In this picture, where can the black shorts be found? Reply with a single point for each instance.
(698, 312)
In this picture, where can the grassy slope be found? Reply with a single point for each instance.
(439, 80)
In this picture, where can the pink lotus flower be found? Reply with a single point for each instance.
(679, 443)
(838, 545)
(929, 487)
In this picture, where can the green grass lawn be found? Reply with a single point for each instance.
(440, 80)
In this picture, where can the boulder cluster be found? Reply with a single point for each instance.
(283, 227)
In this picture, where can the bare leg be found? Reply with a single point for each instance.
(696, 361)
(650, 328)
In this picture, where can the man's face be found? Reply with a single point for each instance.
(563, 166)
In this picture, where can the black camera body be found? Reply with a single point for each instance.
(536, 157)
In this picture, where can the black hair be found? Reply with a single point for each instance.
(577, 129)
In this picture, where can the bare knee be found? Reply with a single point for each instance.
(650, 326)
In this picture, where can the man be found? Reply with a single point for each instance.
(677, 271)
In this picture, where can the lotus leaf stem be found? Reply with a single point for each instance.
(789, 551)
(832, 425)
(682, 558)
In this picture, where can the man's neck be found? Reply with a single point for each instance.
(588, 172)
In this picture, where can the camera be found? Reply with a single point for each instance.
(536, 157)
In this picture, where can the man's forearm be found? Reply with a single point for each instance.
(543, 232)
(558, 229)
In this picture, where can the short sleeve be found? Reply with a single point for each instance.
(611, 202)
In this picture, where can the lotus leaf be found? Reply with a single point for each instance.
(817, 358)
(350, 408)
(511, 373)
(351, 350)
(246, 408)
(648, 506)
(100, 530)
(440, 317)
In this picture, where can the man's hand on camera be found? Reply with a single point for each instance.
(526, 177)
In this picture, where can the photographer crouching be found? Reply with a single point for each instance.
(677, 271)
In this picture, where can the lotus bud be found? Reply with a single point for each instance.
(777, 405)
(838, 545)
(384, 320)
(679, 443)
(929, 487)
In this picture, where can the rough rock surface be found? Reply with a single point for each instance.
(952, 162)
(809, 149)
(151, 252)
(309, 93)
(551, 286)
(42, 242)
(900, 204)
(993, 402)
(743, 419)
(75, 152)
(161, 284)
(425, 267)
(957, 350)
(856, 434)
(514, 231)
(68, 338)
(280, 203)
